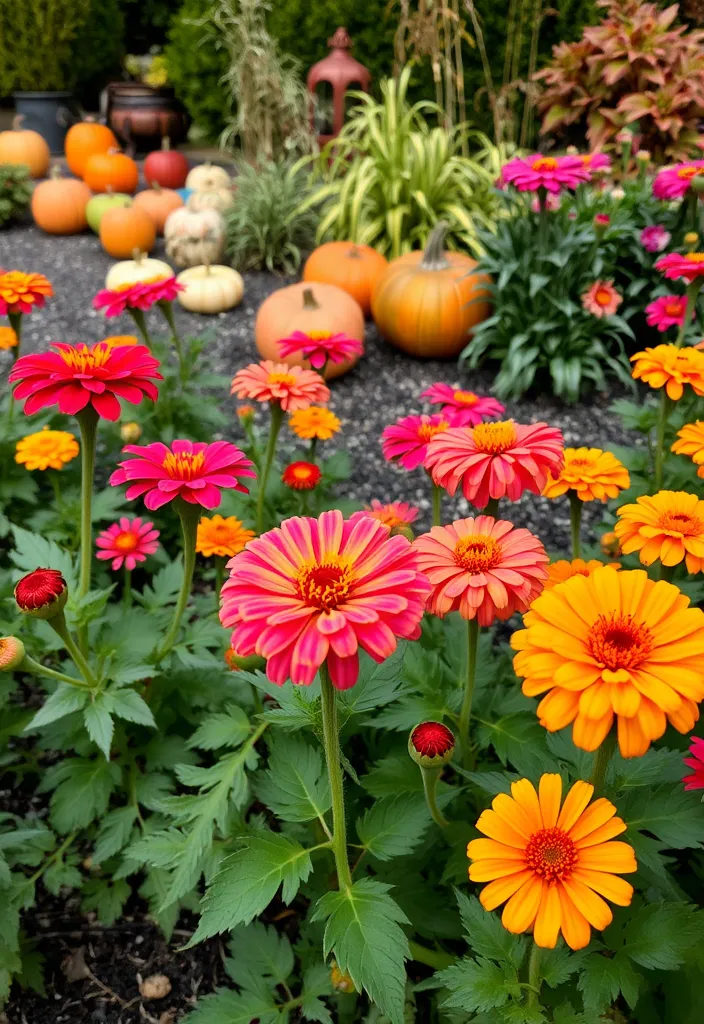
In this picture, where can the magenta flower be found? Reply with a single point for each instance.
(127, 542)
(688, 266)
(596, 161)
(320, 346)
(406, 441)
(667, 311)
(553, 173)
(654, 238)
(602, 299)
(675, 182)
(462, 408)
(191, 470)
(696, 762)
(142, 296)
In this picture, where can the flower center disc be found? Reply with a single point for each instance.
(673, 308)
(324, 586)
(428, 430)
(126, 541)
(494, 438)
(185, 466)
(695, 257)
(681, 523)
(551, 854)
(82, 360)
(689, 172)
(477, 554)
(603, 297)
(617, 642)
(319, 335)
(545, 163)
(465, 397)
(282, 378)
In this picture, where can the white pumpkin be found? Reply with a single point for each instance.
(194, 237)
(141, 268)
(210, 289)
(212, 199)
(206, 177)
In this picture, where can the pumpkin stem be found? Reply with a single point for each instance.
(156, 186)
(309, 300)
(166, 143)
(137, 255)
(354, 253)
(55, 172)
(434, 252)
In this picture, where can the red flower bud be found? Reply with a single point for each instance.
(431, 744)
(42, 593)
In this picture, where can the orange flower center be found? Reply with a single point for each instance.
(603, 297)
(581, 464)
(465, 397)
(494, 438)
(222, 533)
(695, 257)
(682, 523)
(302, 472)
(387, 518)
(319, 335)
(477, 553)
(673, 308)
(616, 642)
(282, 378)
(325, 585)
(126, 541)
(185, 466)
(689, 172)
(545, 163)
(428, 430)
(551, 854)
(82, 360)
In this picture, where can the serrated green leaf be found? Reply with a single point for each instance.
(486, 935)
(258, 951)
(32, 551)
(393, 775)
(63, 701)
(83, 792)
(226, 1007)
(295, 785)
(129, 705)
(654, 766)
(657, 937)
(363, 933)
(106, 898)
(394, 826)
(225, 729)
(519, 740)
(377, 685)
(559, 964)
(114, 832)
(676, 817)
(98, 721)
(602, 980)
(474, 985)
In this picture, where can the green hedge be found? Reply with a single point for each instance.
(196, 67)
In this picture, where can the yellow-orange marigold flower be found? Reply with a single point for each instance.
(551, 861)
(314, 423)
(691, 442)
(223, 536)
(593, 474)
(8, 339)
(121, 341)
(613, 644)
(610, 545)
(47, 449)
(560, 571)
(22, 293)
(668, 526)
(670, 367)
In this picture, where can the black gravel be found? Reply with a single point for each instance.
(384, 387)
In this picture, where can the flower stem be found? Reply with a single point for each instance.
(188, 514)
(30, 665)
(435, 958)
(534, 976)
(331, 742)
(88, 422)
(663, 416)
(312, 449)
(575, 523)
(430, 785)
(141, 324)
(690, 310)
(277, 416)
(601, 761)
(667, 572)
(167, 310)
(16, 325)
(492, 508)
(127, 589)
(219, 579)
(465, 712)
(58, 624)
(437, 505)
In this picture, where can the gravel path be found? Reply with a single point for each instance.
(384, 386)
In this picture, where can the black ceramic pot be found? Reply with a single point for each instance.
(49, 113)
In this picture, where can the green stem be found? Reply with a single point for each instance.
(58, 852)
(575, 524)
(219, 580)
(601, 761)
(667, 572)
(466, 710)
(88, 422)
(167, 310)
(331, 742)
(189, 529)
(430, 785)
(492, 508)
(141, 324)
(16, 324)
(312, 449)
(127, 589)
(663, 416)
(690, 310)
(437, 505)
(434, 958)
(277, 416)
(58, 624)
(542, 220)
(30, 665)
(534, 976)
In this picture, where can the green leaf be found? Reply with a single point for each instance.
(165, 586)
(394, 826)
(247, 882)
(106, 898)
(98, 721)
(63, 701)
(295, 786)
(603, 979)
(658, 936)
(226, 729)
(657, 765)
(559, 964)
(32, 551)
(258, 951)
(114, 832)
(82, 793)
(393, 775)
(378, 684)
(363, 933)
(519, 740)
(226, 1007)
(486, 935)
(474, 985)
(129, 705)
(673, 816)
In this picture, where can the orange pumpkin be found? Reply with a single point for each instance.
(126, 228)
(427, 302)
(158, 203)
(354, 268)
(111, 170)
(83, 141)
(59, 205)
(307, 307)
(23, 146)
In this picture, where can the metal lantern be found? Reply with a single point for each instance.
(341, 72)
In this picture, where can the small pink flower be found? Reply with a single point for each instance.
(602, 299)
(462, 408)
(675, 182)
(142, 295)
(395, 514)
(696, 762)
(687, 266)
(406, 441)
(164, 290)
(667, 311)
(320, 346)
(553, 173)
(596, 161)
(127, 542)
(654, 238)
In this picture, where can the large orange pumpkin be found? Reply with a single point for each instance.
(83, 141)
(427, 302)
(59, 205)
(23, 146)
(158, 202)
(307, 307)
(354, 268)
(111, 170)
(126, 228)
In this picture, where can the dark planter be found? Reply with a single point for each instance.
(142, 116)
(49, 113)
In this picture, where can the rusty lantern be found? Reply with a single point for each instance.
(341, 72)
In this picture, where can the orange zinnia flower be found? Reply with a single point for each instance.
(593, 474)
(224, 536)
(47, 449)
(314, 423)
(691, 443)
(613, 644)
(21, 293)
(668, 525)
(558, 572)
(552, 860)
(290, 387)
(8, 339)
(671, 367)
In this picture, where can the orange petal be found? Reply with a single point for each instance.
(519, 913)
(492, 825)
(558, 708)
(589, 733)
(625, 699)
(575, 802)
(550, 790)
(609, 857)
(549, 918)
(596, 815)
(496, 893)
(479, 848)
(595, 909)
(486, 870)
(523, 792)
(595, 701)
(632, 741)
(513, 814)
(616, 889)
(613, 827)
(575, 927)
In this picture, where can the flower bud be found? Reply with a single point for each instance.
(691, 239)
(250, 663)
(130, 432)
(11, 653)
(245, 414)
(572, 151)
(340, 981)
(697, 184)
(643, 156)
(610, 545)
(42, 593)
(431, 744)
(601, 223)
(624, 138)
(617, 193)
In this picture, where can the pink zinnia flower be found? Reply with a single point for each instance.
(602, 299)
(142, 295)
(406, 441)
(482, 568)
(654, 238)
(675, 182)
(696, 762)
(316, 590)
(667, 311)
(191, 470)
(688, 266)
(320, 346)
(75, 376)
(495, 460)
(596, 161)
(395, 514)
(127, 542)
(552, 173)
(462, 408)
(291, 387)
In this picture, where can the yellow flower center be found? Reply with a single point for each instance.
(325, 585)
(618, 642)
(131, 284)
(302, 472)
(551, 854)
(82, 360)
(465, 397)
(387, 518)
(581, 463)
(185, 466)
(681, 523)
(602, 297)
(126, 541)
(494, 438)
(673, 308)
(544, 163)
(689, 172)
(319, 335)
(695, 257)
(428, 430)
(477, 553)
(282, 378)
